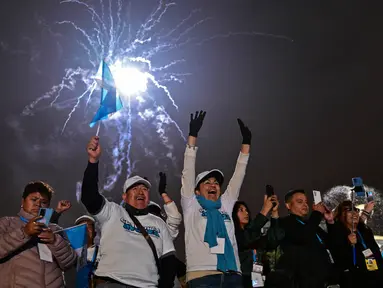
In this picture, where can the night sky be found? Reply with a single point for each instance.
(313, 104)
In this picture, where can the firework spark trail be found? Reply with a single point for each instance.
(112, 39)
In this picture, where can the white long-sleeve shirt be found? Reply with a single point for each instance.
(173, 220)
(198, 256)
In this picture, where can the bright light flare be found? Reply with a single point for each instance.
(129, 80)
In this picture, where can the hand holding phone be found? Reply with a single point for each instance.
(370, 196)
(270, 192)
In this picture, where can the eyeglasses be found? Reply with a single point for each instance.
(349, 209)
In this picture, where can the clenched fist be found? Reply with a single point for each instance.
(63, 206)
(94, 149)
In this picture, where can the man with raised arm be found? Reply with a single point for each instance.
(211, 247)
(127, 259)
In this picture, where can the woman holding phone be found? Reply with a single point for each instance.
(251, 243)
(31, 254)
(356, 253)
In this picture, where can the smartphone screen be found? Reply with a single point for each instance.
(46, 213)
(269, 190)
(357, 182)
(317, 197)
(370, 196)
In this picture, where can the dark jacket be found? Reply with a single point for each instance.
(305, 257)
(342, 251)
(251, 238)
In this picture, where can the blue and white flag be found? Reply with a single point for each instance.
(77, 237)
(110, 101)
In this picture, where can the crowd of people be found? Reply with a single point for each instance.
(225, 246)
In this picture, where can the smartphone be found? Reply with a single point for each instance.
(357, 182)
(317, 197)
(46, 213)
(269, 190)
(370, 196)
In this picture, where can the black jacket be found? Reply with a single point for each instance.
(342, 252)
(251, 238)
(305, 257)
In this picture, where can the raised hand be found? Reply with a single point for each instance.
(245, 131)
(33, 227)
(162, 184)
(94, 149)
(63, 206)
(196, 122)
(267, 204)
(319, 207)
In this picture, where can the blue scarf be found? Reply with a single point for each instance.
(215, 227)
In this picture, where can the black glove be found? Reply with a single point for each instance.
(162, 184)
(245, 131)
(196, 123)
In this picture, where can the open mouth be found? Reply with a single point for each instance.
(140, 198)
(212, 192)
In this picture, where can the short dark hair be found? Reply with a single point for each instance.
(38, 186)
(291, 193)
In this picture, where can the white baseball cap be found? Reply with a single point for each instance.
(217, 174)
(84, 218)
(134, 180)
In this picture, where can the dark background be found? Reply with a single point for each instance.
(314, 105)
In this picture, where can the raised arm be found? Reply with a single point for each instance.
(62, 206)
(235, 183)
(174, 217)
(188, 172)
(90, 196)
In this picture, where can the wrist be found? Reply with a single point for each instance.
(192, 140)
(274, 214)
(264, 211)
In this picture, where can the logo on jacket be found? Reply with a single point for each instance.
(130, 227)
(224, 215)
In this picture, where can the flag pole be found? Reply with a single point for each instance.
(61, 230)
(98, 128)
(353, 224)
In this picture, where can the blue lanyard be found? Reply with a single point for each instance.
(95, 254)
(23, 219)
(362, 240)
(320, 240)
(254, 257)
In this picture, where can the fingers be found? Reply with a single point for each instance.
(34, 219)
(93, 143)
(198, 115)
(240, 123)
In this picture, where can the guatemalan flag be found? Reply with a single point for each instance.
(110, 100)
(78, 240)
